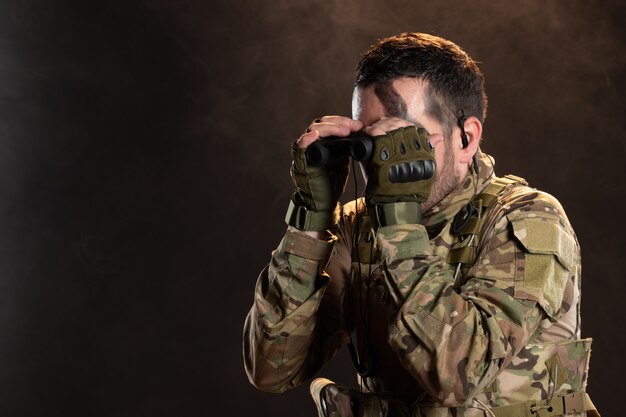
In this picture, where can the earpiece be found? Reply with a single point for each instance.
(465, 141)
(461, 123)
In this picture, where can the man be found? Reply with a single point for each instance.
(463, 289)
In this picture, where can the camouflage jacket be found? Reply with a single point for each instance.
(508, 334)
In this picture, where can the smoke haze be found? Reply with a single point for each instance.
(144, 154)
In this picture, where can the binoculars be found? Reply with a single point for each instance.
(330, 150)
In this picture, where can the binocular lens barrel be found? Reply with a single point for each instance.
(332, 149)
(362, 150)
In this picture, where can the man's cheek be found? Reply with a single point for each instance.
(440, 150)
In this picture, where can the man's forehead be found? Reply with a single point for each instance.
(401, 97)
(393, 103)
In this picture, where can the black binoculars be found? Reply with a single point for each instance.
(330, 150)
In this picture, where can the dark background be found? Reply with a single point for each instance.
(144, 178)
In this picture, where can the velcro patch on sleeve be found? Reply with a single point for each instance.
(550, 254)
(543, 236)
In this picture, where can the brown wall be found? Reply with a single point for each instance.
(144, 178)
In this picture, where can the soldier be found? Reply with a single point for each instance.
(462, 288)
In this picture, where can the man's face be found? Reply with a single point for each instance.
(408, 95)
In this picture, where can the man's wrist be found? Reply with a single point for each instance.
(405, 212)
(305, 219)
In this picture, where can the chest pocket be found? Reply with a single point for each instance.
(547, 261)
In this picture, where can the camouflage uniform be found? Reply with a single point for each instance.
(509, 334)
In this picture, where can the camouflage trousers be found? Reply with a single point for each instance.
(334, 400)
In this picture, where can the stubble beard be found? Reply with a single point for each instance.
(445, 181)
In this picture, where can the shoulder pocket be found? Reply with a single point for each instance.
(548, 260)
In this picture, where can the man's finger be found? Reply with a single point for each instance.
(328, 126)
(307, 138)
(435, 139)
(353, 125)
(386, 125)
(374, 131)
(330, 129)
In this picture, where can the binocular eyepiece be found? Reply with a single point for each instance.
(328, 151)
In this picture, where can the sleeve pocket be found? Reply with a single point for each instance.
(548, 260)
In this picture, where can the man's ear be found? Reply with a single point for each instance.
(473, 132)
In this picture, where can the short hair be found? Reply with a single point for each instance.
(455, 84)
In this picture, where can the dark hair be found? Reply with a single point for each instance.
(456, 85)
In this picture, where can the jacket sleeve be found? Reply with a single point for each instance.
(455, 341)
(293, 327)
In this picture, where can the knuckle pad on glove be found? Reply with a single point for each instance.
(403, 164)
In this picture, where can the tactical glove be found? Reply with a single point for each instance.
(400, 175)
(318, 188)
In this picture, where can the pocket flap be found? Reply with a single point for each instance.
(543, 236)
